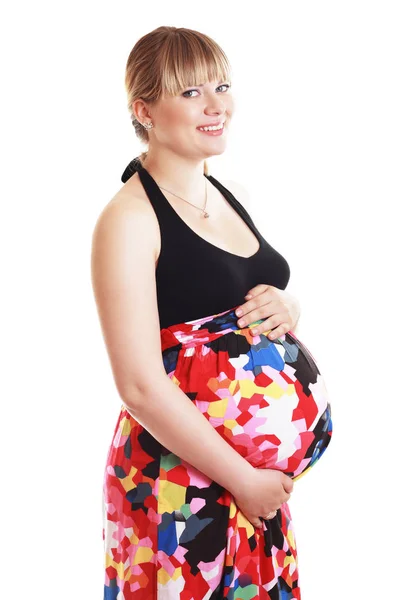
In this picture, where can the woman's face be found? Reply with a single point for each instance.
(177, 120)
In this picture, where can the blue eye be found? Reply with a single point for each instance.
(188, 91)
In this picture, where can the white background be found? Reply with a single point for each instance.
(315, 139)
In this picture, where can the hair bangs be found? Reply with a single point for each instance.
(189, 60)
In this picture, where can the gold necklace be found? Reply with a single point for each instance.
(205, 213)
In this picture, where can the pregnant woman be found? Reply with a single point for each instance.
(221, 411)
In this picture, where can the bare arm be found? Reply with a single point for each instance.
(123, 279)
(170, 416)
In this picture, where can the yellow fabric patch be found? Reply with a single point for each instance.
(171, 496)
(127, 482)
(125, 426)
(177, 574)
(163, 576)
(218, 408)
(244, 522)
(232, 510)
(247, 388)
(233, 387)
(274, 390)
(121, 570)
(143, 555)
(291, 539)
(110, 561)
(288, 560)
(134, 540)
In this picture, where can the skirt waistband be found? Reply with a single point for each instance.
(203, 330)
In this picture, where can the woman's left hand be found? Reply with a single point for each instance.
(280, 309)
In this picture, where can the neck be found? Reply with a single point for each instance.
(181, 175)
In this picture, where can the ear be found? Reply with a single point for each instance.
(140, 110)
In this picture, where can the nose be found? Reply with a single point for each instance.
(215, 105)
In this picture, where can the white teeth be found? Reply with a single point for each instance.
(213, 128)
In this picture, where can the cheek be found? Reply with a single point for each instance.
(170, 119)
(230, 105)
(189, 117)
(177, 123)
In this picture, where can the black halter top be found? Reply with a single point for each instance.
(194, 277)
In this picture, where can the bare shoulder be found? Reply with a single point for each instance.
(129, 212)
(239, 191)
(131, 197)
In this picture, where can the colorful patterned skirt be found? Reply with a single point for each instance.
(172, 533)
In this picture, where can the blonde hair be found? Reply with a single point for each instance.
(165, 61)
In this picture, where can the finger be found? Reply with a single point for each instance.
(257, 523)
(247, 308)
(271, 323)
(278, 331)
(288, 484)
(256, 290)
(251, 317)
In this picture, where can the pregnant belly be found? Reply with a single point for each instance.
(266, 398)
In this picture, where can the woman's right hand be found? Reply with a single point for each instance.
(264, 493)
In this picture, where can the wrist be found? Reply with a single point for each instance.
(242, 479)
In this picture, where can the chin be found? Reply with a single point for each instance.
(215, 152)
(218, 153)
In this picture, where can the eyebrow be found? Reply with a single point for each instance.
(203, 84)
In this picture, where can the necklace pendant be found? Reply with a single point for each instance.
(206, 215)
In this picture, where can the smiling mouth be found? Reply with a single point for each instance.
(211, 129)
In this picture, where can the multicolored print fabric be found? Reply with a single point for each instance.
(172, 533)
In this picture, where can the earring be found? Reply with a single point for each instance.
(148, 125)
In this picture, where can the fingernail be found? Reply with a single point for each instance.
(254, 331)
(241, 322)
(239, 312)
(248, 296)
